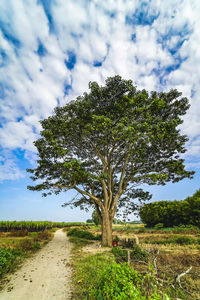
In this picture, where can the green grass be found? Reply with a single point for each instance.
(9, 259)
(78, 243)
(86, 273)
(84, 234)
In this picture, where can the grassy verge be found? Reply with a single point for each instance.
(86, 275)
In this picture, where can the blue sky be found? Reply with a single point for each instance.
(50, 50)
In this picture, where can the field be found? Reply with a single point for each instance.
(34, 226)
(170, 257)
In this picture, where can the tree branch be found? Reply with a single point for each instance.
(97, 200)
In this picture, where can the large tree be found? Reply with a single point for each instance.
(107, 143)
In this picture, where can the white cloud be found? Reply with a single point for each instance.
(8, 168)
(94, 31)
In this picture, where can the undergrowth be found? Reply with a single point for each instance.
(121, 282)
(86, 275)
(136, 253)
(9, 258)
(84, 234)
(179, 240)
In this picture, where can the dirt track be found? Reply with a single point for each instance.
(45, 276)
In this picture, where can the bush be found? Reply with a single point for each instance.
(26, 244)
(120, 254)
(9, 259)
(139, 253)
(35, 247)
(182, 228)
(159, 226)
(117, 282)
(19, 233)
(136, 253)
(83, 234)
(121, 282)
(43, 235)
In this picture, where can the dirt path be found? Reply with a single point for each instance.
(45, 276)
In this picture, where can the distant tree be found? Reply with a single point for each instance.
(172, 213)
(89, 221)
(115, 221)
(107, 143)
(96, 220)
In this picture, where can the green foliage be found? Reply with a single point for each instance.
(120, 254)
(117, 282)
(8, 259)
(108, 142)
(89, 221)
(35, 247)
(183, 228)
(83, 234)
(159, 226)
(136, 253)
(121, 282)
(173, 213)
(95, 218)
(139, 254)
(86, 275)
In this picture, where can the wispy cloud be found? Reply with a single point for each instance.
(9, 170)
(49, 53)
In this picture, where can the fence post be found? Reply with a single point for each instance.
(129, 257)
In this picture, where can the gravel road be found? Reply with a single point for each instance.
(44, 276)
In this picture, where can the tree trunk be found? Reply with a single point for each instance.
(106, 229)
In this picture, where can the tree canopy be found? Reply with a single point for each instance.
(172, 213)
(109, 142)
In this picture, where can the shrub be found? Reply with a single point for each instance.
(117, 282)
(9, 259)
(138, 253)
(25, 244)
(83, 234)
(159, 226)
(18, 233)
(188, 228)
(121, 282)
(35, 247)
(43, 235)
(120, 254)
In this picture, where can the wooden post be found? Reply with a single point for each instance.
(129, 257)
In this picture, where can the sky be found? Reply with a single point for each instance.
(51, 49)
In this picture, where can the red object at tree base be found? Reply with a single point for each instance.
(115, 243)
